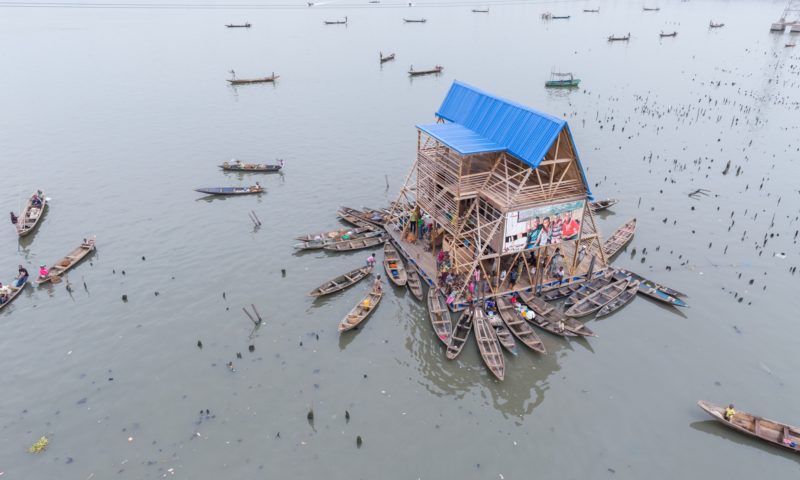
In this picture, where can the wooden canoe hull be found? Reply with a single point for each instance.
(654, 290)
(547, 317)
(776, 433)
(416, 73)
(335, 235)
(518, 326)
(30, 217)
(460, 335)
(341, 282)
(619, 238)
(488, 345)
(229, 190)
(414, 284)
(589, 288)
(14, 294)
(255, 167)
(603, 204)
(247, 81)
(360, 312)
(68, 262)
(357, 244)
(622, 299)
(318, 244)
(562, 83)
(598, 299)
(393, 264)
(440, 316)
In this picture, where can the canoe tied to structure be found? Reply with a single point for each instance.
(361, 311)
(322, 242)
(238, 166)
(31, 215)
(368, 215)
(776, 433)
(414, 283)
(357, 243)
(335, 235)
(460, 334)
(602, 204)
(232, 190)
(597, 300)
(14, 292)
(622, 299)
(355, 220)
(590, 287)
(654, 290)
(68, 262)
(488, 345)
(518, 326)
(341, 282)
(552, 319)
(502, 332)
(619, 238)
(393, 265)
(440, 316)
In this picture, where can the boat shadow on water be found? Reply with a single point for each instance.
(715, 428)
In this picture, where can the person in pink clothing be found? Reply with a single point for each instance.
(43, 271)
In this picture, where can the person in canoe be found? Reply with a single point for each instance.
(36, 201)
(377, 285)
(43, 272)
(729, 412)
(5, 291)
(256, 187)
(22, 277)
(13, 218)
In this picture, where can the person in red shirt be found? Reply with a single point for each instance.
(570, 227)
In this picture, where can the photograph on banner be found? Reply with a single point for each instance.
(537, 227)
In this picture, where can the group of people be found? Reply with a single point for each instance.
(420, 225)
(553, 229)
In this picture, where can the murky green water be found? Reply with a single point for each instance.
(119, 113)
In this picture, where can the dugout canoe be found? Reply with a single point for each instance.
(341, 282)
(335, 235)
(602, 204)
(415, 73)
(518, 326)
(360, 312)
(776, 433)
(357, 244)
(654, 290)
(440, 316)
(69, 261)
(231, 190)
(598, 299)
(321, 243)
(31, 215)
(250, 167)
(355, 220)
(367, 215)
(552, 319)
(622, 299)
(503, 334)
(393, 264)
(247, 81)
(488, 345)
(14, 292)
(242, 25)
(460, 335)
(589, 288)
(619, 238)
(635, 276)
(414, 283)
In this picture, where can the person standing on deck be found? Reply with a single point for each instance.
(412, 220)
(560, 274)
(502, 277)
(512, 278)
(555, 262)
(439, 259)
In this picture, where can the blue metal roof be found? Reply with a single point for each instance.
(481, 122)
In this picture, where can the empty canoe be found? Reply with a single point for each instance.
(622, 299)
(341, 282)
(460, 335)
(440, 316)
(356, 244)
(597, 300)
(488, 345)
(619, 238)
(414, 283)
(393, 265)
(548, 317)
(518, 326)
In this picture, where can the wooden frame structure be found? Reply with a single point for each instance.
(474, 201)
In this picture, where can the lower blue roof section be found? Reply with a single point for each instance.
(460, 138)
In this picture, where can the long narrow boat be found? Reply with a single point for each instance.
(354, 219)
(415, 20)
(14, 292)
(552, 319)
(622, 299)
(30, 216)
(368, 215)
(387, 58)
(776, 433)
(597, 300)
(622, 273)
(335, 235)
(393, 265)
(335, 22)
(564, 291)
(245, 81)
(603, 204)
(440, 316)
(619, 238)
(231, 190)
(243, 25)
(356, 244)
(321, 243)
(663, 35)
(415, 73)
(654, 290)
(238, 166)
(589, 288)
(651, 9)
(478, 10)
(69, 261)
(518, 326)
(503, 334)
(361, 311)
(414, 283)
(488, 345)
(612, 38)
(341, 282)
(711, 24)
(460, 335)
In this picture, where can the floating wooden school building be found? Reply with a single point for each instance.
(504, 187)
